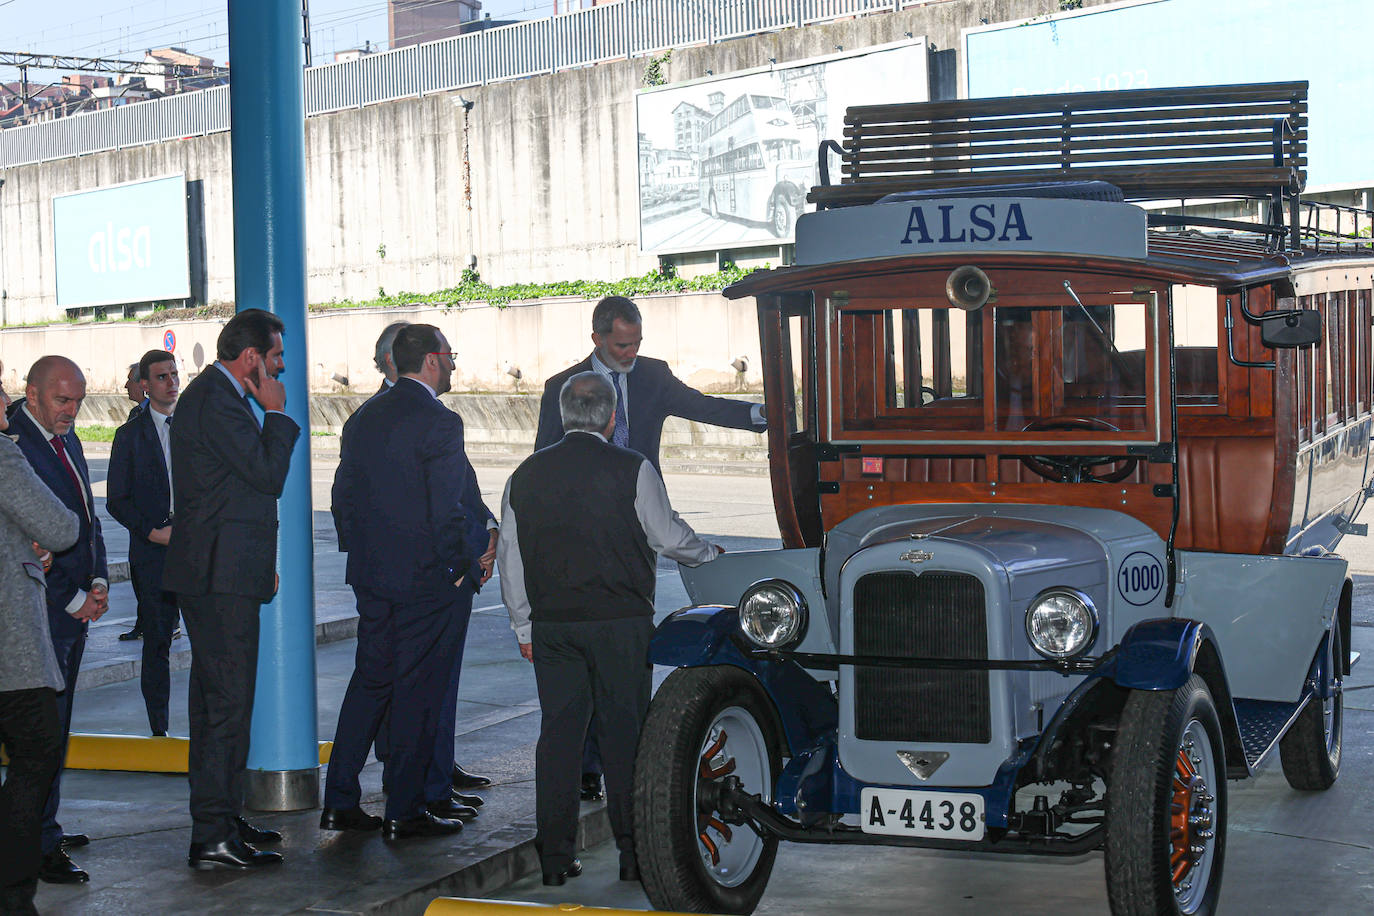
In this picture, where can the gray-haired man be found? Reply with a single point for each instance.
(577, 576)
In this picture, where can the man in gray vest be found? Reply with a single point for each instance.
(580, 523)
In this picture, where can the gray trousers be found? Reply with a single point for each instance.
(597, 671)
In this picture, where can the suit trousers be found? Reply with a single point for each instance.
(223, 630)
(597, 671)
(439, 778)
(404, 649)
(31, 735)
(69, 648)
(157, 618)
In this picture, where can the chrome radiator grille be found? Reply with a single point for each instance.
(935, 615)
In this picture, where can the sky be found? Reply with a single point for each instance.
(120, 28)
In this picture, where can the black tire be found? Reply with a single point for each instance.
(1168, 750)
(1311, 751)
(689, 710)
(782, 216)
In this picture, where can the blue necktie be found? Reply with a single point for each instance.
(621, 435)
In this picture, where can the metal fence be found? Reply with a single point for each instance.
(602, 33)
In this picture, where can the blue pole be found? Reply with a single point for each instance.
(267, 140)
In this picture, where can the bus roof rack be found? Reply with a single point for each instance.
(1237, 141)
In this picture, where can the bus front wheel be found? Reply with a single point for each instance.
(783, 215)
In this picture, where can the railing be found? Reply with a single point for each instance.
(602, 33)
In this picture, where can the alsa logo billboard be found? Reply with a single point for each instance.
(980, 222)
(125, 248)
(122, 244)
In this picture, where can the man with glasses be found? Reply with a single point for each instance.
(414, 554)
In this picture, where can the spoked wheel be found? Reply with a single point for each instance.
(707, 730)
(1311, 751)
(1078, 468)
(783, 216)
(1166, 804)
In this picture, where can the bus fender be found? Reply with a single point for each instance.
(1159, 654)
(696, 637)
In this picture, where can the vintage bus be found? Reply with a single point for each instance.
(1059, 480)
(753, 167)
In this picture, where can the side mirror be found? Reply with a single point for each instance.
(1290, 328)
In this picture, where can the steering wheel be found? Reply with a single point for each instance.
(928, 395)
(1077, 468)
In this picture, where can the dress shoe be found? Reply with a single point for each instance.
(462, 779)
(451, 810)
(559, 878)
(229, 854)
(130, 636)
(73, 840)
(349, 819)
(629, 871)
(250, 834)
(425, 824)
(58, 868)
(160, 733)
(472, 801)
(591, 787)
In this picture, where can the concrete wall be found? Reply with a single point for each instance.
(538, 181)
(699, 334)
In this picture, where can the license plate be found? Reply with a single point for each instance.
(940, 815)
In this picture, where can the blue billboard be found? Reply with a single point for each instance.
(1159, 43)
(122, 244)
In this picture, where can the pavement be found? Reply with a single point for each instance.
(1289, 851)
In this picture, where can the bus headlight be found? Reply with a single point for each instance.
(772, 614)
(1061, 622)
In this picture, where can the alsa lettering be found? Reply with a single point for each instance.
(957, 223)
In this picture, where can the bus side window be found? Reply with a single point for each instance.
(1196, 319)
(931, 356)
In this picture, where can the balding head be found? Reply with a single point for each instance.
(54, 393)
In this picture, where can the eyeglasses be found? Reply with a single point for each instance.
(449, 354)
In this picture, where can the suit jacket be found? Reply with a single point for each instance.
(29, 512)
(654, 394)
(227, 474)
(404, 497)
(136, 491)
(75, 567)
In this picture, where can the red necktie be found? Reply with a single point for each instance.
(71, 472)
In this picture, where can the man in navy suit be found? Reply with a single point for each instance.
(413, 557)
(138, 493)
(78, 585)
(647, 393)
(228, 471)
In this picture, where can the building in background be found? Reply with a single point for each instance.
(413, 22)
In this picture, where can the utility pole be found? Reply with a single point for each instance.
(305, 17)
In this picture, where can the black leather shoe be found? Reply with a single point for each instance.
(130, 636)
(591, 787)
(462, 779)
(250, 834)
(73, 840)
(349, 819)
(421, 825)
(58, 868)
(451, 810)
(629, 871)
(559, 878)
(160, 733)
(229, 854)
(472, 801)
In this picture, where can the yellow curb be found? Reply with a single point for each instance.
(137, 754)
(462, 906)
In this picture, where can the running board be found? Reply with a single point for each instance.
(1262, 723)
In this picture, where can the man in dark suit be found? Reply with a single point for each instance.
(228, 471)
(647, 393)
(580, 524)
(78, 585)
(138, 493)
(460, 782)
(413, 558)
(133, 387)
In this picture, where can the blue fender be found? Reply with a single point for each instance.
(696, 637)
(1158, 654)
